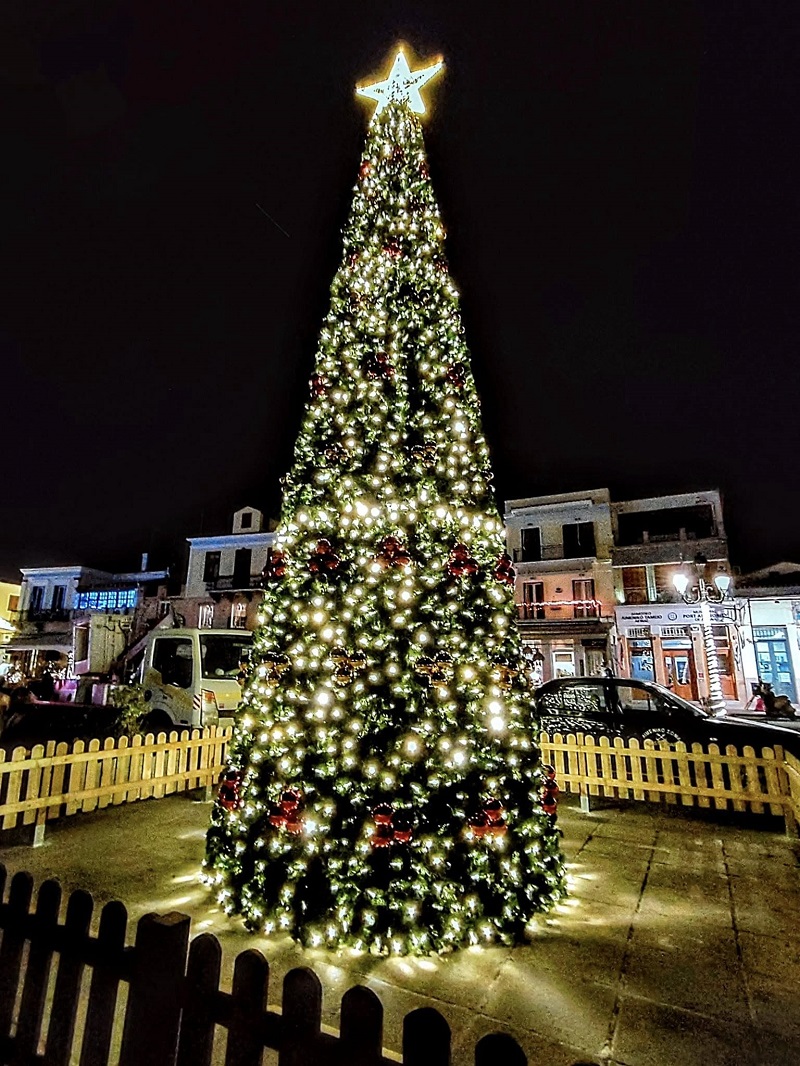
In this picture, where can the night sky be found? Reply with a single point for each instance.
(619, 184)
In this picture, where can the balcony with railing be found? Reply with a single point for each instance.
(234, 582)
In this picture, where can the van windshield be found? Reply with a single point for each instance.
(224, 656)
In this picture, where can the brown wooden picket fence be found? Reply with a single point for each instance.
(661, 771)
(51, 780)
(68, 995)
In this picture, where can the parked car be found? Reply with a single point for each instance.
(624, 707)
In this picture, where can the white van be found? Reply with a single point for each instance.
(191, 677)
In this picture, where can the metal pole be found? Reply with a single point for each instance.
(716, 700)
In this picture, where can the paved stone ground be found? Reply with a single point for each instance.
(680, 943)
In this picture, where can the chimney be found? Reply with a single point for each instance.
(145, 559)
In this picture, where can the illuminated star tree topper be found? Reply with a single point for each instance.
(402, 86)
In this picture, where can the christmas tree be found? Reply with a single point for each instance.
(385, 790)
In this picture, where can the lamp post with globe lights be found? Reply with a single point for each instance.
(704, 593)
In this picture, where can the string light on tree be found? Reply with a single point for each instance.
(385, 791)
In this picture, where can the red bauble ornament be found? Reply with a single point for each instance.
(402, 829)
(324, 559)
(494, 810)
(377, 365)
(504, 571)
(391, 552)
(229, 789)
(318, 384)
(423, 169)
(457, 375)
(276, 566)
(290, 800)
(398, 153)
(364, 169)
(294, 823)
(383, 814)
(478, 824)
(461, 563)
(550, 791)
(277, 817)
(382, 837)
(393, 248)
(352, 259)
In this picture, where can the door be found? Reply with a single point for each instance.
(641, 654)
(680, 673)
(773, 660)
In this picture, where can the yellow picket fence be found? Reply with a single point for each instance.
(51, 780)
(655, 771)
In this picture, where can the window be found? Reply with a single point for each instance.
(13, 603)
(578, 540)
(205, 616)
(211, 566)
(224, 656)
(163, 608)
(106, 600)
(634, 584)
(172, 657)
(37, 597)
(532, 606)
(531, 545)
(583, 597)
(241, 568)
(239, 616)
(59, 596)
(247, 520)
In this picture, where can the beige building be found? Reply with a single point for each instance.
(594, 587)
(561, 547)
(9, 610)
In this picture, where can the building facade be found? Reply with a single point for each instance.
(562, 547)
(660, 638)
(594, 588)
(223, 586)
(769, 606)
(73, 621)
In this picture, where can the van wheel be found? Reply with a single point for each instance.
(156, 722)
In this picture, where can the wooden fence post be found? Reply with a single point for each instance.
(107, 964)
(41, 936)
(14, 922)
(198, 1020)
(152, 1017)
(426, 1038)
(785, 786)
(248, 1000)
(499, 1048)
(302, 1015)
(71, 963)
(360, 1029)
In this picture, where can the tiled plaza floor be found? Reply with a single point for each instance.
(680, 943)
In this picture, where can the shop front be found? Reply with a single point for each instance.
(664, 643)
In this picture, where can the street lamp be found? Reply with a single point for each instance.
(705, 593)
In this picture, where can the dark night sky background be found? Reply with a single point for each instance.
(619, 183)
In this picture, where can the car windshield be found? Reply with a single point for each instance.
(674, 698)
(224, 656)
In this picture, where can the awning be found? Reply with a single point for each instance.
(41, 642)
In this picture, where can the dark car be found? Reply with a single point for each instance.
(623, 707)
